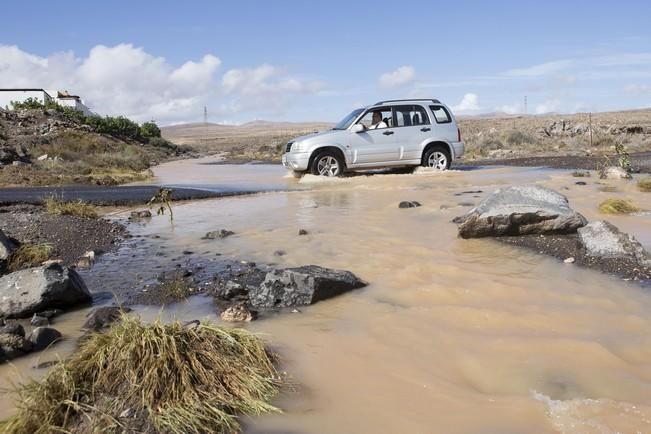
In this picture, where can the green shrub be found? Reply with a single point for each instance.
(149, 130)
(514, 138)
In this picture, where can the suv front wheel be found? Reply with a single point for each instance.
(437, 158)
(327, 163)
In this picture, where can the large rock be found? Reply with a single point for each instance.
(520, 210)
(13, 345)
(603, 240)
(302, 286)
(30, 291)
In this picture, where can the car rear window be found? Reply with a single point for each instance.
(441, 114)
(410, 115)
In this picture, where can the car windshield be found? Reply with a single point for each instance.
(345, 122)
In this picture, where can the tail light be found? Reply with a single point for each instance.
(458, 134)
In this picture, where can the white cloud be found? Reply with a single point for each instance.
(398, 78)
(548, 106)
(541, 69)
(509, 109)
(126, 80)
(469, 104)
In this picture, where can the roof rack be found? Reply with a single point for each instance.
(435, 101)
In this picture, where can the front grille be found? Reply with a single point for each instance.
(288, 148)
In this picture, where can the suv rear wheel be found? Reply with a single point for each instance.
(437, 157)
(327, 163)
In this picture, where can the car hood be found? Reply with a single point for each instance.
(319, 136)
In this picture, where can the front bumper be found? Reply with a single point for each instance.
(297, 161)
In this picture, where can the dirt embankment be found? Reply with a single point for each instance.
(581, 136)
(43, 146)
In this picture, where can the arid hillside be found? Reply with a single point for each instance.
(258, 140)
(490, 137)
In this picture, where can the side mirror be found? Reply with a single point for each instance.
(358, 128)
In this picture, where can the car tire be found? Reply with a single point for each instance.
(327, 163)
(437, 157)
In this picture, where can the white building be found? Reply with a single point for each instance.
(7, 96)
(74, 101)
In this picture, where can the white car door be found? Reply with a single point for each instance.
(413, 125)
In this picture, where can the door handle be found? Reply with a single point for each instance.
(425, 129)
(387, 133)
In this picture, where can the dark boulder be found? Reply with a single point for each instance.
(12, 346)
(33, 290)
(43, 337)
(302, 286)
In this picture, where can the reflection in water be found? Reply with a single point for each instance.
(454, 336)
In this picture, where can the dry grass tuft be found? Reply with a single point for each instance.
(644, 185)
(176, 288)
(77, 208)
(168, 377)
(618, 206)
(29, 255)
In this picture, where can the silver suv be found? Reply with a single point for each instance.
(393, 133)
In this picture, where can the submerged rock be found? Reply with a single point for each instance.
(13, 345)
(103, 316)
(137, 215)
(409, 204)
(238, 313)
(13, 329)
(520, 210)
(39, 321)
(33, 290)
(213, 235)
(614, 172)
(43, 337)
(604, 240)
(302, 286)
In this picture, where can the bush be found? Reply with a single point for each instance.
(171, 378)
(149, 130)
(514, 138)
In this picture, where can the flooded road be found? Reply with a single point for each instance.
(450, 336)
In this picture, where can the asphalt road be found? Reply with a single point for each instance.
(125, 195)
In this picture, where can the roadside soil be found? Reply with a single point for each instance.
(566, 246)
(69, 236)
(641, 162)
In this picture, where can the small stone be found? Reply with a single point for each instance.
(279, 253)
(50, 313)
(127, 414)
(302, 232)
(238, 313)
(137, 215)
(39, 321)
(569, 260)
(581, 183)
(45, 365)
(409, 204)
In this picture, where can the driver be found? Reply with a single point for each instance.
(377, 122)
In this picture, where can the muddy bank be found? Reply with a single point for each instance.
(567, 247)
(641, 162)
(69, 236)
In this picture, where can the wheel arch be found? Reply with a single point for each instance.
(334, 148)
(436, 144)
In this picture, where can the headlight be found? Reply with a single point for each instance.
(297, 146)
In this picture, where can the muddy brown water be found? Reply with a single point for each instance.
(450, 336)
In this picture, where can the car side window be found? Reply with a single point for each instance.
(441, 114)
(410, 115)
(377, 118)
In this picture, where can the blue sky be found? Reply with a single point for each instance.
(300, 60)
